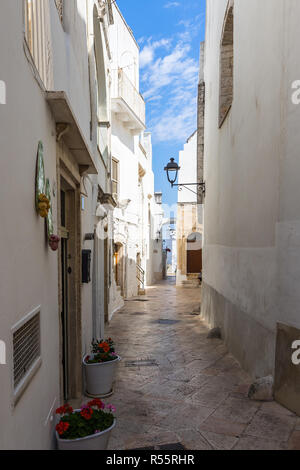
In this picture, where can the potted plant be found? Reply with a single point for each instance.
(100, 368)
(86, 429)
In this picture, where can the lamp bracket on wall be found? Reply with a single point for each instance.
(200, 187)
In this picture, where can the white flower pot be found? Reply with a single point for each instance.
(97, 441)
(100, 377)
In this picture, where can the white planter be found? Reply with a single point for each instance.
(95, 442)
(100, 377)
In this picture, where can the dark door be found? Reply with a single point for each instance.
(194, 261)
(194, 253)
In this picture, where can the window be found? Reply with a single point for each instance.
(38, 38)
(226, 66)
(60, 8)
(29, 24)
(26, 351)
(115, 177)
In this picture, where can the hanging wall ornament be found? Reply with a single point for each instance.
(43, 206)
(43, 199)
(42, 202)
(40, 175)
(54, 242)
(50, 229)
(53, 239)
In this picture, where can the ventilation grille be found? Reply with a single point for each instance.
(26, 347)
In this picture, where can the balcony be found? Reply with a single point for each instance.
(128, 103)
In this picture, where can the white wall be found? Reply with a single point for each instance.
(29, 274)
(251, 255)
(188, 169)
(132, 226)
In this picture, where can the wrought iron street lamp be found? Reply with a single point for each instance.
(172, 169)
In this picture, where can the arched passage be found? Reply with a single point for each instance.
(226, 65)
(194, 253)
(119, 265)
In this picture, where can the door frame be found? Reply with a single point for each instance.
(68, 178)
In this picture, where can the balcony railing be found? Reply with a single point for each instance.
(128, 102)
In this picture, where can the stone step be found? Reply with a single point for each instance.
(191, 283)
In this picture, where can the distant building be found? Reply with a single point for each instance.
(189, 218)
(134, 231)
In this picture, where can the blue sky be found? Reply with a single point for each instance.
(169, 34)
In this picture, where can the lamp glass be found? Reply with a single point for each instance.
(172, 167)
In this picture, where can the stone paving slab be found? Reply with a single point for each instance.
(197, 394)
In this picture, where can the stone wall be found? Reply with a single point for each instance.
(200, 123)
(226, 67)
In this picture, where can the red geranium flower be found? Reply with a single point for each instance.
(62, 410)
(86, 413)
(62, 427)
(96, 402)
(105, 346)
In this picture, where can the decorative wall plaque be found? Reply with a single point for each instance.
(50, 229)
(40, 175)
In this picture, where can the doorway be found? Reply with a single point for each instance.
(69, 291)
(194, 253)
(118, 266)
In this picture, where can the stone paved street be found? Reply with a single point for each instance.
(194, 393)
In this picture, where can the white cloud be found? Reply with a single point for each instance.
(176, 127)
(147, 53)
(154, 98)
(171, 4)
(170, 79)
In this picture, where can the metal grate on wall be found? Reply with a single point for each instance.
(26, 348)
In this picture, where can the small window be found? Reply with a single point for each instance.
(226, 67)
(115, 177)
(60, 8)
(29, 21)
(38, 39)
(26, 351)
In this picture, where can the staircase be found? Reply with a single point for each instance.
(192, 281)
(140, 275)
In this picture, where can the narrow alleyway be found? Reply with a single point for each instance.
(176, 386)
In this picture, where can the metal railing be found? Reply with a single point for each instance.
(123, 88)
(140, 275)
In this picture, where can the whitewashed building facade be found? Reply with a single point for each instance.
(251, 168)
(132, 175)
(55, 125)
(189, 218)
